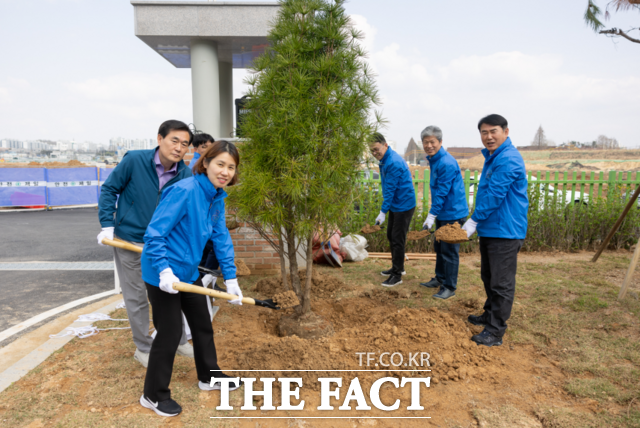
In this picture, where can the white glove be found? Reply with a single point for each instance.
(470, 227)
(380, 218)
(167, 278)
(107, 232)
(234, 288)
(429, 222)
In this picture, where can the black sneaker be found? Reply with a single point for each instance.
(434, 283)
(392, 281)
(217, 386)
(389, 272)
(165, 408)
(444, 294)
(487, 339)
(477, 320)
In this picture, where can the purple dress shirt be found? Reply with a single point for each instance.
(164, 176)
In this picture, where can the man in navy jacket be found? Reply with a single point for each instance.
(448, 206)
(500, 219)
(139, 181)
(399, 201)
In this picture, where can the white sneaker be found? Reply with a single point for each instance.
(216, 386)
(185, 350)
(141, 357)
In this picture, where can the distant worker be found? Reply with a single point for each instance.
(190, 214)
(448, 206)
(139, 181)
(500, 219)
(201, 142)
(399, 201)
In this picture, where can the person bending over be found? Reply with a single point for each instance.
(190, 214)
(399, 201)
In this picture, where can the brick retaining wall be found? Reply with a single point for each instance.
(256, 252)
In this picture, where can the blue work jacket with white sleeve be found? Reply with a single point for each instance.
(448, 198)
(190, 213)
(397, 184)
(502, 202)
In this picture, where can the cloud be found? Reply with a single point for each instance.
(528, 89)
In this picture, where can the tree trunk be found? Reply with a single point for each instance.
(293, 268)
(283, 264)
(306, 303)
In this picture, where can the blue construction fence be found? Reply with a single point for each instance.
(51, 187)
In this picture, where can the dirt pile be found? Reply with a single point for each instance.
(370, 229)
(322, 286)
(451, 233)
(417, 235)
(451, 355)
(242, 269)
(288, 299)
(389, 295)
(575, 165)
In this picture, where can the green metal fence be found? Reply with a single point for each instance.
(572, 186)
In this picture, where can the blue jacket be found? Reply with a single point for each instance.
(190, 213)
(397, 184)
(136, 181)
(502, 200)
(448, 198)
(193, 161)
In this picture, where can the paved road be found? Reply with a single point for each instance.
(60, 235)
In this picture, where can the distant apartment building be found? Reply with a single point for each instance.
(125, 144)
(11, 144)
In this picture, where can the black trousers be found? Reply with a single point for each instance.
(498, 266)
(167, 319)
(209, 259)
(397, 230)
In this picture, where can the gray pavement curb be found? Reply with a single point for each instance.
(42, 352)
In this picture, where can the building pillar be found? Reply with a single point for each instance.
(226, 99)
(205, 86)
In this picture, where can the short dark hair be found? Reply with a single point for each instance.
(217, 148)
(201, 138)
(379, 138)
(174, 125)
(493, 120)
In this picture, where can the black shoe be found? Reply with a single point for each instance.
(393, 280)
(487, 339)
(166, 408)
(206, 386)
(444, 294)
(389, 272)
(477, 320)
(434, 283)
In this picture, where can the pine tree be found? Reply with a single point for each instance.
(310, 117)
(540, 140)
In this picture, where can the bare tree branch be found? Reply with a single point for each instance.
(619, 32)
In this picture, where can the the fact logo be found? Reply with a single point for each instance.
(329, 387)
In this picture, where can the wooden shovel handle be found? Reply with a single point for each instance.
(122, 244)
(189, 288)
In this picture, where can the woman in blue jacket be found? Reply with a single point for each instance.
(190, 213)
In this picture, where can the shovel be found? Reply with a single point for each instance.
(188, 288)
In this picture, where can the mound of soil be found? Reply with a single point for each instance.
(71, 163)
(288, 299)
(323, 286)
(242, 269)
(370, 229)
(452, 356)
(451, 233)
(573, 165)
(417, 235)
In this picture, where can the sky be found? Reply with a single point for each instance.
(73, 69)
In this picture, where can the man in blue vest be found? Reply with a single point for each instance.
(399, 201)
(139, 181)
(448, 206)
(500, 218)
